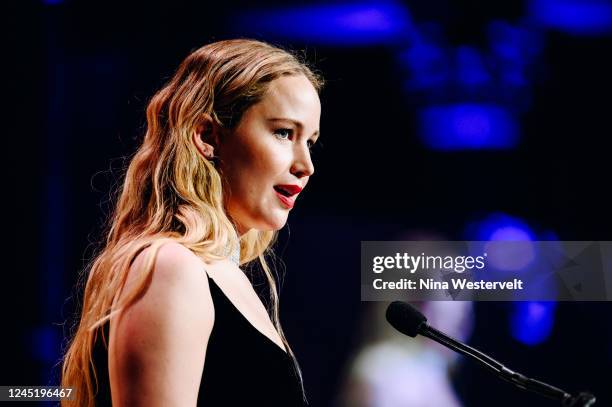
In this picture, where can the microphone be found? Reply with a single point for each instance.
(409, 321)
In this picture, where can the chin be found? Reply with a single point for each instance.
(272, 222)
(277, 225)
(264, 219)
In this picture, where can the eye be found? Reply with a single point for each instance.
(283, 134)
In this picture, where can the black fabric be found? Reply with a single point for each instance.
(243, 367)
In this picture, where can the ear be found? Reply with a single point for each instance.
(205, 136)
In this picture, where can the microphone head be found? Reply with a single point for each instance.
(405, 318)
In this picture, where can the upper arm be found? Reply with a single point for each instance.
(158, 344)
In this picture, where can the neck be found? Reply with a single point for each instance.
(241, 232)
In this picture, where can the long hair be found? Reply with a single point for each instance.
(170, 193)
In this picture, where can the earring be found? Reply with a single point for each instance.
(209, 154)
(208, 150)
(213, 159)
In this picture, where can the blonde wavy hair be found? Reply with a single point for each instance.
(170, 193)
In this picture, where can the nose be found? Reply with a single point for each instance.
(302, 164)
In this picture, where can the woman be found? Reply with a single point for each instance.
(226, 152)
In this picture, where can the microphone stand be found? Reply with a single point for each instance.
(522, 382)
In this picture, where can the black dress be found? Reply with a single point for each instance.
(243, 367)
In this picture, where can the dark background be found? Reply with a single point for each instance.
(79, 76)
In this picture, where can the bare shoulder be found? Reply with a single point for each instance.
(178, 276)
(173, 256)
(158, 344)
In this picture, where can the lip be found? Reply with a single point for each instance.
(287, 201)
(292, 188)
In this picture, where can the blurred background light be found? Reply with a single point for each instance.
(510, 257)
(428, 65)
(577, 17)
(337, 24)
(45, 341)
(499, 226)
(471, 69)
(467, 126)
(532, 322)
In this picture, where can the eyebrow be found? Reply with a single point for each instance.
(295, 122)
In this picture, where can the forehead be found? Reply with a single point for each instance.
(291, 96)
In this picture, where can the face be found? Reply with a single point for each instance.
(266, 161)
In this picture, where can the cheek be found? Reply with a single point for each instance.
(266, 163)
(255, 168)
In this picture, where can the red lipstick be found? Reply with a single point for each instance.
(287, 201)
(292, 189)
(287, 194)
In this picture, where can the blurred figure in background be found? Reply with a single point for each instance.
(390, 369)
(393, 370)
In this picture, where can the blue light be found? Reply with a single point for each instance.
(470, 67)
(467, 127)
(428, 65)
(578, 17)
(532, 322)
(45, 344)
(503, 259)
(514, 44)
(514, 49)
(343, 24)
(500, 226)
(510, 233)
